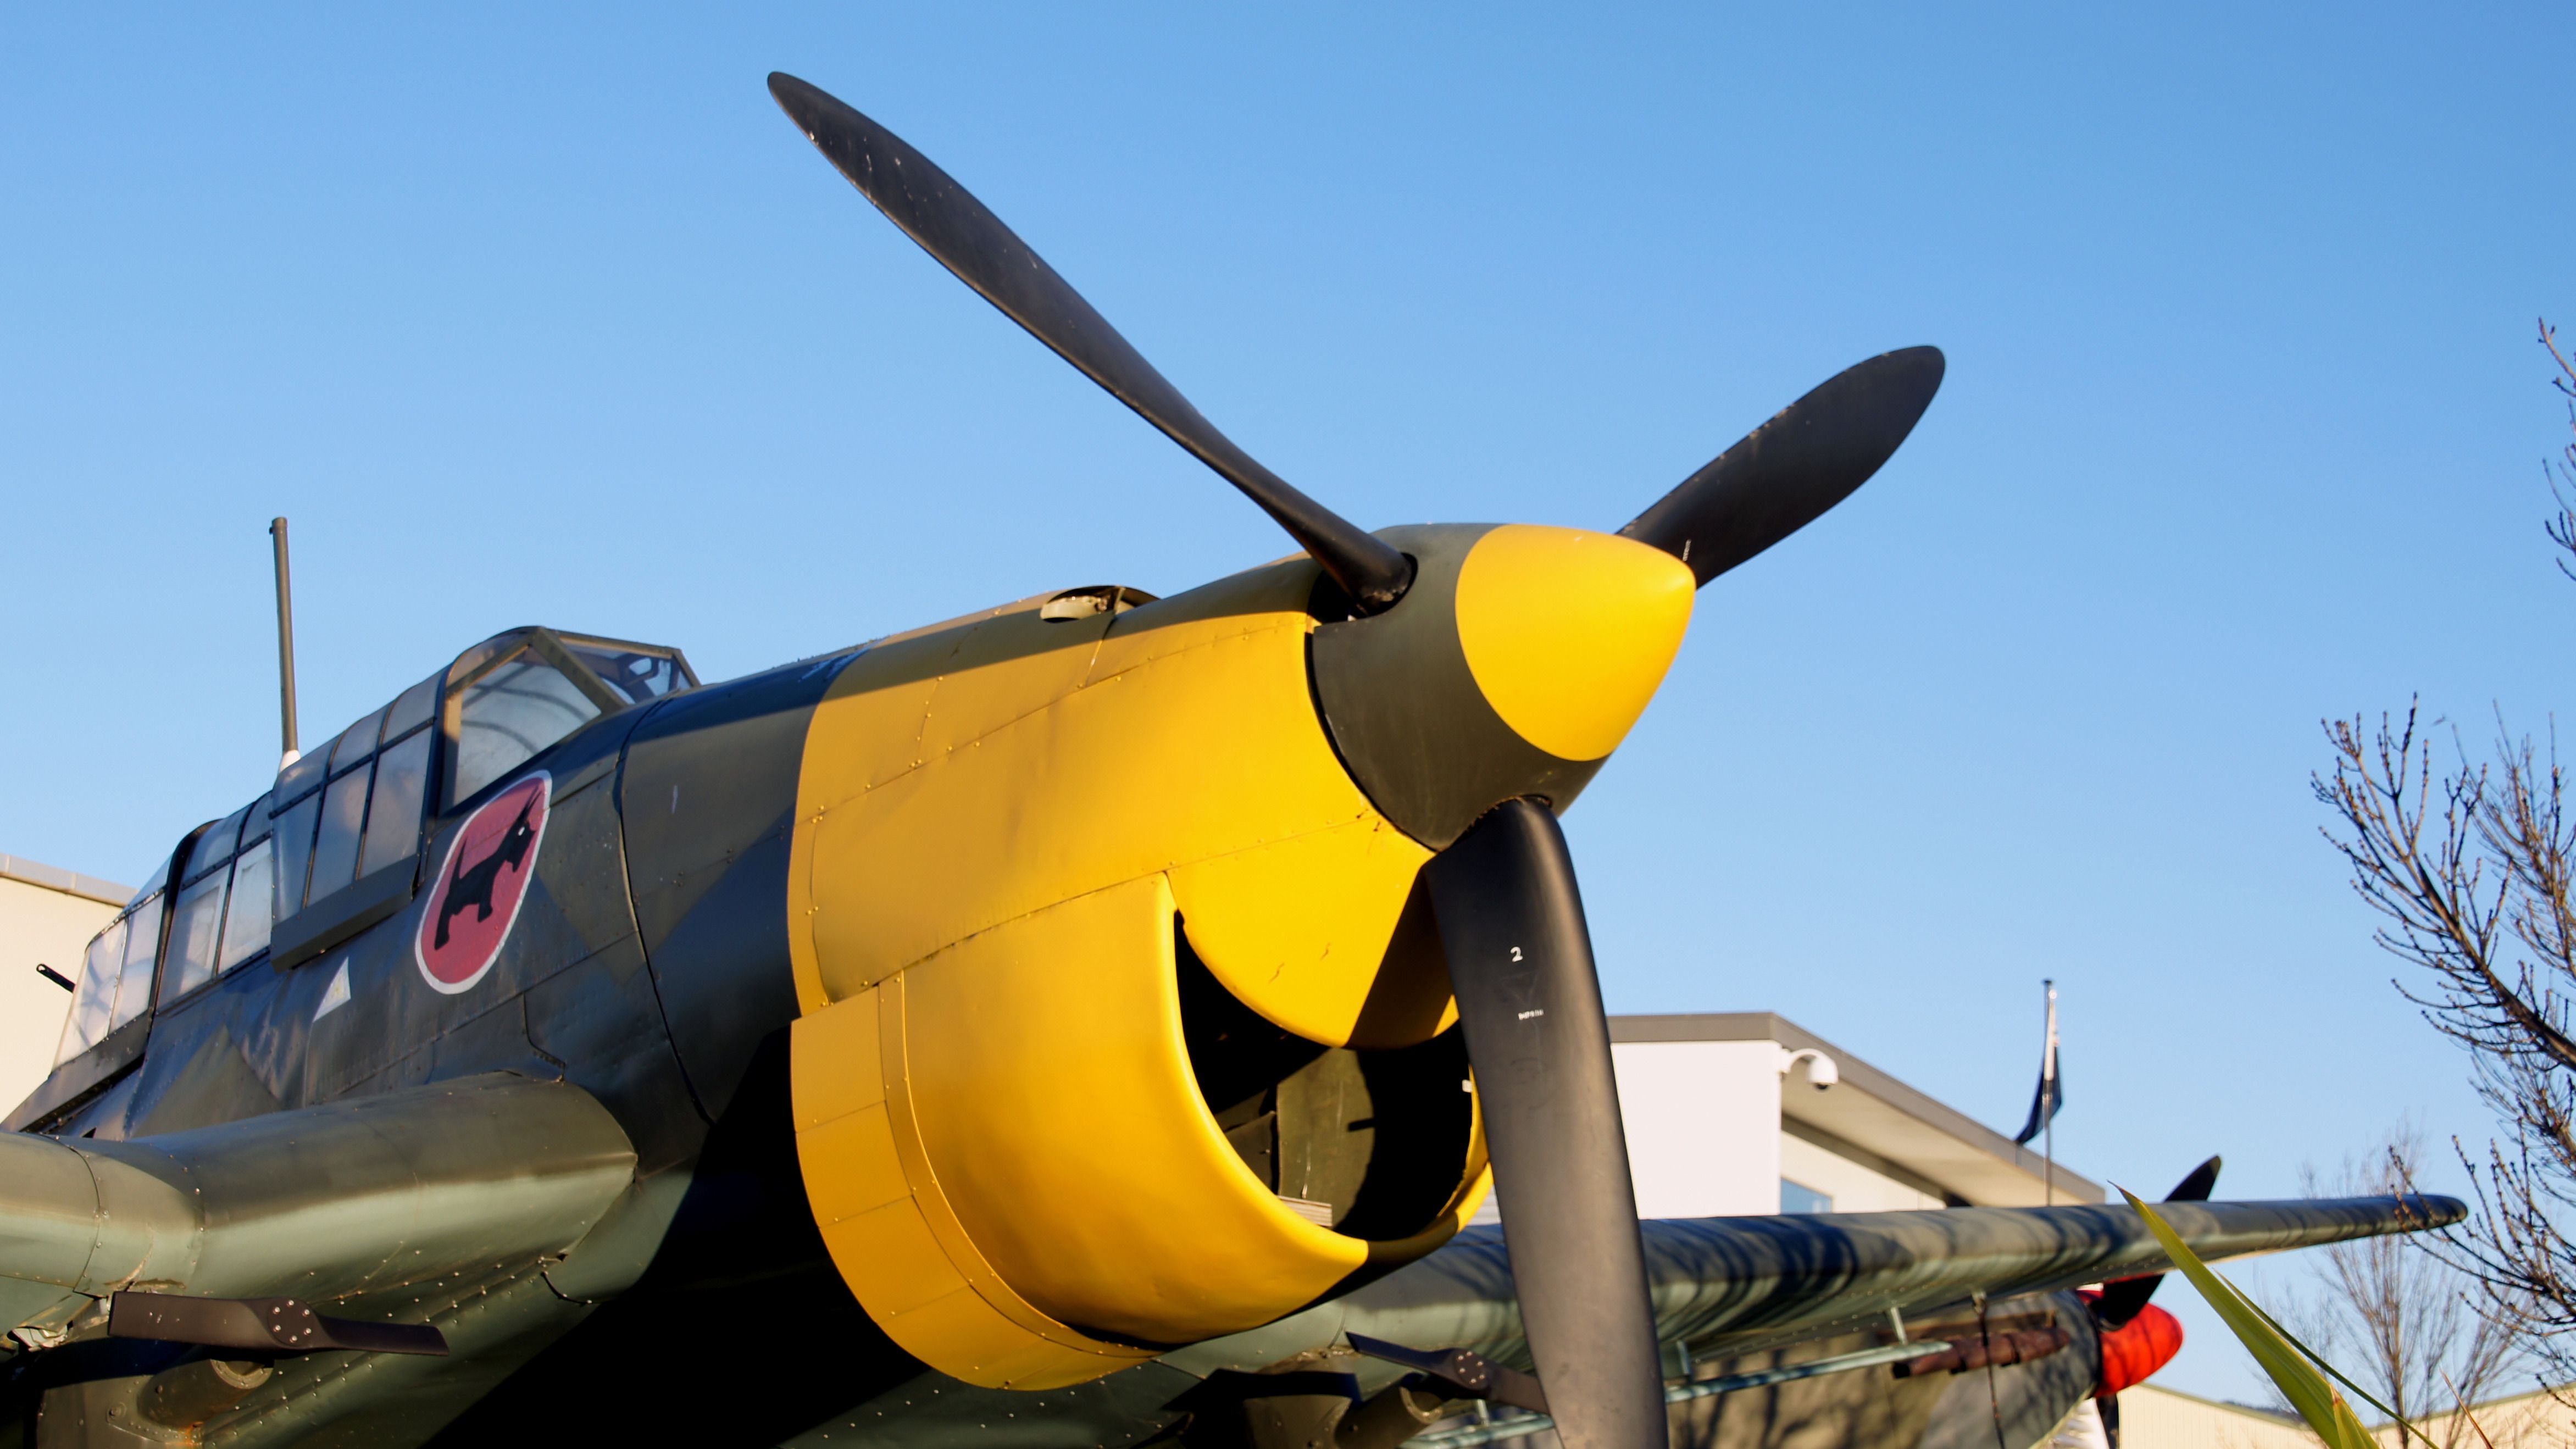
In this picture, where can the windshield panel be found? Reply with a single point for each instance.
(97, 995)
(356, 742)
(414, 707)
(142, 944)
(393, 819)
(194, 932)
(641, 676)
(295, 853)
(246, 925)
(510, 713)
(301, 774)
(335, 855)
(216, 846)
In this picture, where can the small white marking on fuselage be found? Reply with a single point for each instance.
(1526, 1015)
(336, 995)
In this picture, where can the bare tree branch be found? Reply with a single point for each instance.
(2562, 477)
(2489, 870)
(2401, 1314)
(2470, 867)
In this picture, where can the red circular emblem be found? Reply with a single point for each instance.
(481, 882)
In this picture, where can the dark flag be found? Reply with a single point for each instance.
(2051, 1093)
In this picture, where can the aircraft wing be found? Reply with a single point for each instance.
(446, 1212)
(361, 1203)
(418, 1227)
(1730, 1285)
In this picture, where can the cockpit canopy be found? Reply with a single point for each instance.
(334, 845)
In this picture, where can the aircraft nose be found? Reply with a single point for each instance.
(1568, 633)
(1513, 667)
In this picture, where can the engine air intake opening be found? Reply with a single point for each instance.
(1369, 1142)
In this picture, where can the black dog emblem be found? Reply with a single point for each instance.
(473, 887)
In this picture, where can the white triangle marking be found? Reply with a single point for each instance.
(336, 995)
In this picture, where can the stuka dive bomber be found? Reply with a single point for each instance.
(1092, 1020)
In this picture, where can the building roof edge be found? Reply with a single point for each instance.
(1940, 1116)
(69, 882)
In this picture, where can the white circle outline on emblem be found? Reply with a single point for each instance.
(546, 794)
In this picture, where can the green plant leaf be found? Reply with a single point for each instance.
(2338, 1375)
(2285, 1360)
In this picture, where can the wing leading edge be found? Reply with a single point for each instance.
(1728, 1285)
(429, 1225)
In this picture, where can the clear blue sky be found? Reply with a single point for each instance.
(553, 318)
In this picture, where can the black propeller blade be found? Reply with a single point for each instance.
(1520, 961)
(970, 241)
(1510, 917)
(2121, 1301)
(1791, 469)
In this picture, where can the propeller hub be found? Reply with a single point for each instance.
(1512, 667)
(1568, 633)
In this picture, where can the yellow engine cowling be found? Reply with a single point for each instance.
(1123, 1022)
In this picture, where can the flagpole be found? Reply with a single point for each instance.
(2048, 1129)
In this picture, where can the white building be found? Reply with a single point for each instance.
(2155, 1417)
(1725, 1117)
(47, 916)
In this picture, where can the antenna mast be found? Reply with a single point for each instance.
(285, 647)
(2048, 1138)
